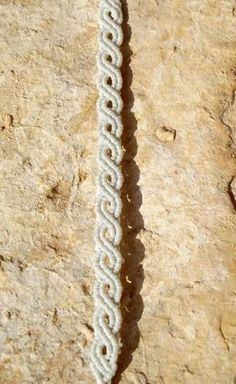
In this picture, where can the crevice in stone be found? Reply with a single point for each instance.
(223, 120)
(223, 336)
(231, 193)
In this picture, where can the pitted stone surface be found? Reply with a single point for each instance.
(179, 213)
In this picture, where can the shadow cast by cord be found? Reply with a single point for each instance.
(132, 249)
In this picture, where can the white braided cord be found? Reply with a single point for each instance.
(107, 290)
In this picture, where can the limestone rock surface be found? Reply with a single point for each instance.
(179, 216)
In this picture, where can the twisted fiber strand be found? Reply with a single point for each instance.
(107, 290)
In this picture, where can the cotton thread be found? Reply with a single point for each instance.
(107, 290)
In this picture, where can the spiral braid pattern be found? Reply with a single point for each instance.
(107, 290)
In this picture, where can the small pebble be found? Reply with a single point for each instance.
(165, 134)
(6, 121)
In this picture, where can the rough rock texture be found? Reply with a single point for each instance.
(179, 196)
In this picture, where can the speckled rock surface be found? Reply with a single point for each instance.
(179, 217)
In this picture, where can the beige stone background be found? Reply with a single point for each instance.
(179, 196)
